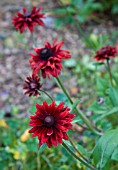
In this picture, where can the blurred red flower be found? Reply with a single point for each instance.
(32, 85)
(28, 19)
(48, 59)
(106, 52)
(50, 123)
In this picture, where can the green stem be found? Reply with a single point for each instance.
(78, 158)
(33, 39)
(46, 94)
(83, 127)
(38, 161)
(109, 70)
(73, 145)
(83, 117)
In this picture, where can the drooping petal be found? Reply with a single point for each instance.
(50, 131)
(44, 136)
(27, 19)
(65, 136)
(48, 59)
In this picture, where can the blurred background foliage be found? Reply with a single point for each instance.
(18, 151)
(84, 10)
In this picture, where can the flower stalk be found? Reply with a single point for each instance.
(73, 145)
(34, 41)
(78, 158)
(109, 70)
(46, 94)
(80, 154)
(82, 116)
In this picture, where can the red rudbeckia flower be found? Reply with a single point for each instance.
(51, 123)
(32, 85)
(28, 19)
(106, 53)
(48, 59)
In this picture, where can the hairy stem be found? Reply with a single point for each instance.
(109, 70)
(81, 115)
(78, 158)
(80, 154)
(46, 94)
(33, 39)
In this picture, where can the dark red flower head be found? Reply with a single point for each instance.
(48, 59)
(28, 19)
(106, 53)
(32, 85)
(51, 123)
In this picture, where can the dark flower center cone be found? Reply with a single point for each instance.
(27, 14)
(33, 85)
(45, 53)
(49, 121)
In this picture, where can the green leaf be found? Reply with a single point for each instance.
(60, 97)
(114, 110)
(42, 148)
(15, 110)
(81, 149)
(1, 114)
(105, 147)
(75, 105)
(60, 11)
(115, 9)
(81, 18)
(47, 161)
(33, 109)
(98, 64)
(102, 86)
(98, 108)
(97, 6)
(65, 2)
(70, 63)
(116, 79)
(71, 10)
(113, 94)
(115, 155)
(63, 167)
(63, 159)
(76, 120)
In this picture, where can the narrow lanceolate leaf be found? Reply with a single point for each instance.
(77, 120)
(112, 111)
(102, 87)
(42, 148)
(113, 94)
(75, 105)
(105, 150)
